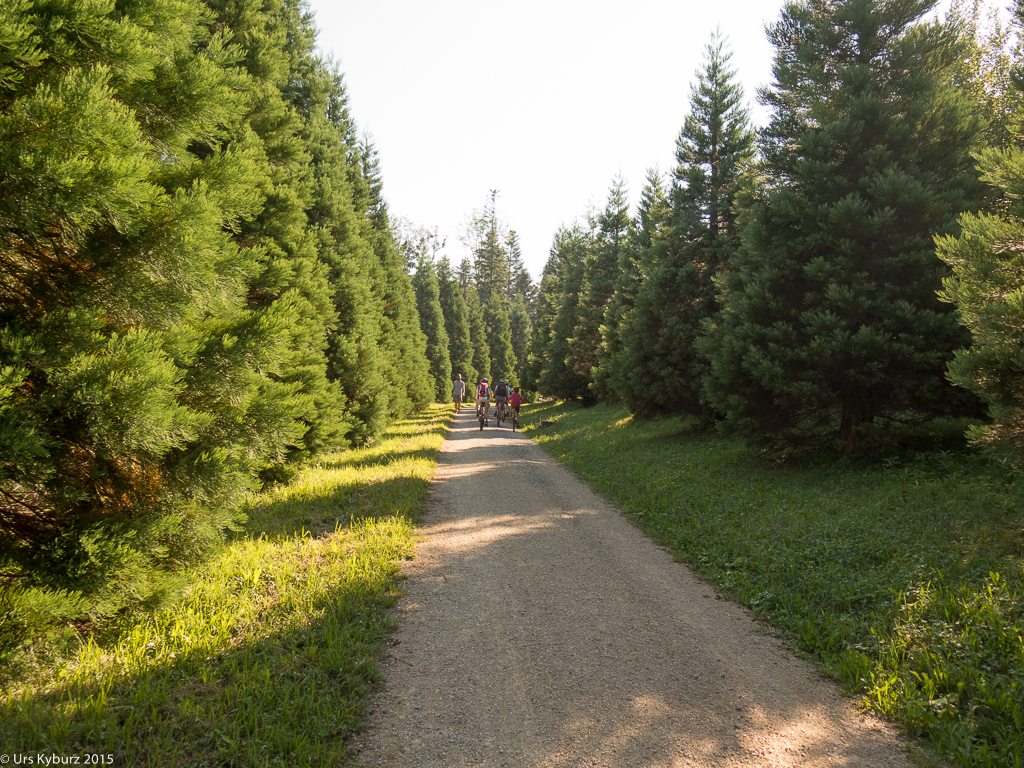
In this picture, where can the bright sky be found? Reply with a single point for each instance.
(545, 101)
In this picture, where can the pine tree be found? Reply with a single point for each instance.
(559, 377)
(520, 328)
(128, 354)
(831, 331)
(478, 334)
(344, 244)
(627, 367)
(714, 146)
(428, 303)
(456, 321)
(499, 339)
(987, 288)
(548, 300)
(600, 273)
(404, 361)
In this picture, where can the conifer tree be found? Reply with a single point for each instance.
(499, 339)
(559, 376)
(548, 299)
(832, 332)
(714, 146)
(456, 321)
(343, 237)
(519, 327)
(404, 361)
(600, 272)
(428, 303)
(128, 353)
(988, 290)
(478, 334)
(624, 352)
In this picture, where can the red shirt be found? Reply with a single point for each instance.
(516, 400)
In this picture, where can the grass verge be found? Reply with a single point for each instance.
(904, 580)
(267, 659)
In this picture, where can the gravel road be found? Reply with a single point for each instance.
(540, 629)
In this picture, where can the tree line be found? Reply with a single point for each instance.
(845, 278)
(201, 287)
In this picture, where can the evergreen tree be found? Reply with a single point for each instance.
(428, 303)
(715, 144)
(548, 300)
(478, 334)
(129, 356)
(988, 290)
(624, 352)
(276, 40)
(519, 327)
(456, 322)
(344, 243)
(831, 330)
(404, 361)
(600, 273)
(499, 339)
(559, 376)
(491, 266)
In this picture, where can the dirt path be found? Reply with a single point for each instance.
(540, 629)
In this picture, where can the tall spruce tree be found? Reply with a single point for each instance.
(456, 322)
(478, 333)
(519, 327)
(499, 339)
(600, 273)
(628, 352)
(831, 331)
(428, 303)
(714, 146)
(344, 243)
(548, 299)
(987, 289)
(559, 376)
(129, 356)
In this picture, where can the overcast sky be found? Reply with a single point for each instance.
(545, 101)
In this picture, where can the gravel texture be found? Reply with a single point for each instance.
(540, 628)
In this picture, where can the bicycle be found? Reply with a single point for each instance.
(515, 417)
(499, 412)
(481, 413)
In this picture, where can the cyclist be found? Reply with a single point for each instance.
(515, 401)
(501, 393)
(483, 398)
(458, 391)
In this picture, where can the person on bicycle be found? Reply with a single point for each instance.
(458, 391)
(516, 400)
(483, 397)
(501, 393)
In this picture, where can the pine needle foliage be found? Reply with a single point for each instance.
(831, 332)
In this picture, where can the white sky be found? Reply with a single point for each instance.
(544, 100)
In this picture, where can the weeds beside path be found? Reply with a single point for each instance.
(267, 659)
(904, 579)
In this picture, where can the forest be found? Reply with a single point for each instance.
(202, 287)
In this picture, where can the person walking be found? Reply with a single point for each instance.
(458, 392)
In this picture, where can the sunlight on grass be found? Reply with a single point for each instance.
(267, 658)
(900, 578)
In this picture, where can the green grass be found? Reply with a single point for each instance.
(267, 659)
(904, 579)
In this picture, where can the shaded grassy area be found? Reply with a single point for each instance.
(904, 579)
(267, 659)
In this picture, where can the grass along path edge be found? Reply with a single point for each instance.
(904, 580)
(268, 657)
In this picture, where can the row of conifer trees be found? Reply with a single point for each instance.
(200, 286)
(794, 284)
